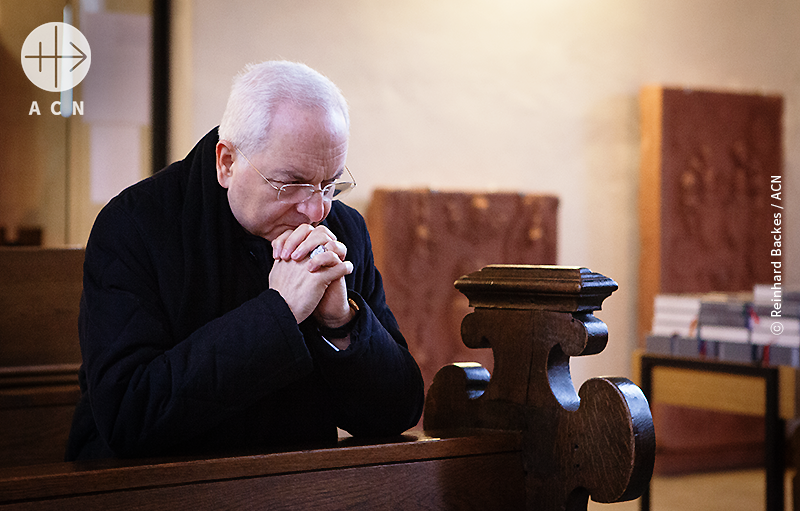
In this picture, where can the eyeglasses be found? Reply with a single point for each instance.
(296, 193)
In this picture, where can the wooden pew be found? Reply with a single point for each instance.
(520, 439)
(39, 352)
(482, 471)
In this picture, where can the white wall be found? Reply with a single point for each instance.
(528, 95)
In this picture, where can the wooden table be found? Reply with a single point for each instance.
(729, 387)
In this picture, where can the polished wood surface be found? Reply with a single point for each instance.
(598, 443)
(480, 470)
(36, 408)
(39, 303)
(39, 352)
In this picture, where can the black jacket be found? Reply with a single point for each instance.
(186, 350)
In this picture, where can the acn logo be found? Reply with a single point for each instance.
(56, 56)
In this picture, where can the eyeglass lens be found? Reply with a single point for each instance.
(301, 193)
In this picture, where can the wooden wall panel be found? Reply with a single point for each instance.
(39, 304)
(39, 352)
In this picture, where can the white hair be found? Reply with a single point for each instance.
(261, 88)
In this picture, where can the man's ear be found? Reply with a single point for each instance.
(225, 158)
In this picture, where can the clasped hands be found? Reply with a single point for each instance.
(312, 286)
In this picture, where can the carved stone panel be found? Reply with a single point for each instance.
(705, 201)
(424, 240)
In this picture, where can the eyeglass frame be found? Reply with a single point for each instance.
(314, 189)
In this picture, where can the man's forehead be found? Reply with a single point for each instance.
(303, 164)
(290, 174)
(303, 145)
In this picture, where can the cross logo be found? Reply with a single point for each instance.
(56, 56)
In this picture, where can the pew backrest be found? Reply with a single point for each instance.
(39, 351)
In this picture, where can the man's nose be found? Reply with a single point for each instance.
(313, 208)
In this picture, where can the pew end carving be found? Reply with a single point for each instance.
(596, 443)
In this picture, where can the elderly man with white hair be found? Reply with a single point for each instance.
(231, 303)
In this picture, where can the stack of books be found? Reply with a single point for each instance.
(762, 327)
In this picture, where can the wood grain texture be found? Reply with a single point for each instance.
(484, 483)
(650, 101)
(36, 408)
(596, 443)
(39, 352)
(39, 304)
(734, 393)
(480, 470)
(521, 439)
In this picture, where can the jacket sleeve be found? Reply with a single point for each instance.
(375, 385)
(150, 392)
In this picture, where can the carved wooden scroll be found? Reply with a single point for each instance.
(596, 443)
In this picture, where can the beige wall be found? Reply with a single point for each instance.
(536, 96)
